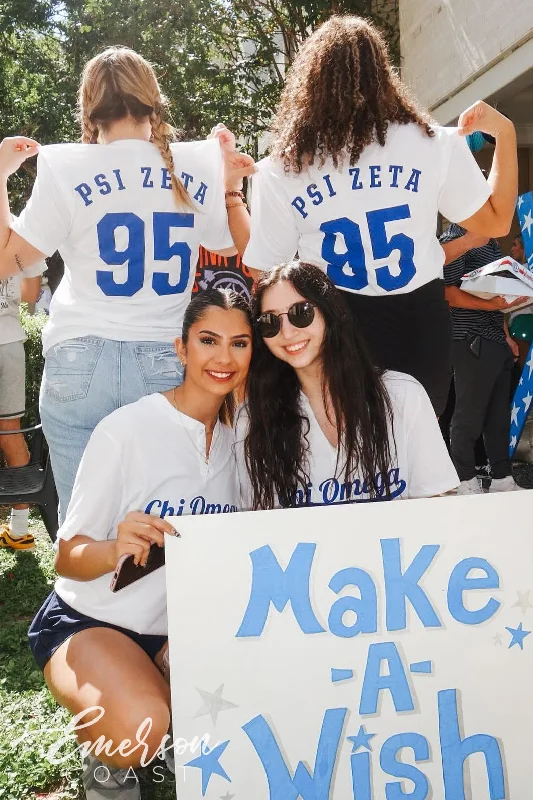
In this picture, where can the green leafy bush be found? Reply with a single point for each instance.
(33, 324)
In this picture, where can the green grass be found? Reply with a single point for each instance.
(30, 720)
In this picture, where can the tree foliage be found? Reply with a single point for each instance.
(218, 60)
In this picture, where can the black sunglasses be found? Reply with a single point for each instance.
(300, 315)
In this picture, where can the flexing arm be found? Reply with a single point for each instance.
(495, 217)
(236, 167)
(15, 252)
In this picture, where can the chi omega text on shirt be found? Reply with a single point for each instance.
(198, 505)
(148, 179)
(332, 491)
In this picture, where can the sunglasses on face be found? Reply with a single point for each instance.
(300, 315)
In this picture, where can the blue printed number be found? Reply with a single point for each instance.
(353, 256)
(354, 252)
(134, 253)
(164, 251)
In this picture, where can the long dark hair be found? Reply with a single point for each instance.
(197, 308)
(276, 446)
(340, 95)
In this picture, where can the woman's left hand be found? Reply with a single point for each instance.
(14, 150)
(236, 165)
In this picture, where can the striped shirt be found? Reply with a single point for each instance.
(470, 322)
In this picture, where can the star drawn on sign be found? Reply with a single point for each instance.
(497, 639)
(523, 602)
(361, 740)
(530, 364)
(518, 635)
(514, 415)
(527, 400)
(214, 703)
(208, 763)
(528, 223)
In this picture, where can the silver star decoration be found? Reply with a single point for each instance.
(513, 441)
(227, 796)
(497, 639)
(523, 602)
(520, 201)
(514, 414)
(530, 365)
(527, 400)
(214, 703)
(528, 222)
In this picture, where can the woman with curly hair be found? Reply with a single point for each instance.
(355, 179)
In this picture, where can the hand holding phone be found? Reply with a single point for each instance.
(139, 548)
(137, 532)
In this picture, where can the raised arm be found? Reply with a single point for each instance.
(495, 216)
(236, 167)
(15, 252)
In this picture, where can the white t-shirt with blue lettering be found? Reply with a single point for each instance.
(146, 457)
(420, 467)
(371, 227)
(130, 252)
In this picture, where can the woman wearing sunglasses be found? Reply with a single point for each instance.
(321, 425)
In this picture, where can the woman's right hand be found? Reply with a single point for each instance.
(499, 303)
(482, 117)
(14, 150)
(137, 532)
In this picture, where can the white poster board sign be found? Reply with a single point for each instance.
(355, 652)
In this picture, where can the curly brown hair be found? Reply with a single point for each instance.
(340, 95)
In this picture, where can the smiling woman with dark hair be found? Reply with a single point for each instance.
(321, 425)
(166, 454)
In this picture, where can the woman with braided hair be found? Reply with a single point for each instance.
(354, 181)
(127, 209)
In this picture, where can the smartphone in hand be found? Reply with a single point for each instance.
(127, 572)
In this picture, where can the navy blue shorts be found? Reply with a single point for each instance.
(55, 622)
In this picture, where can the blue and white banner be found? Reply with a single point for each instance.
(354, 652)
(524, 392)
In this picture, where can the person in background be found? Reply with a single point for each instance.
(521, 322)
(354, 182)
(13, 446)
(517, 249)
(127, 209)
(483, 355)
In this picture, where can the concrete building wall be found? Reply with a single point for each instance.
(446, 44)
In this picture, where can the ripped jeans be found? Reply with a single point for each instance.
(86, 379)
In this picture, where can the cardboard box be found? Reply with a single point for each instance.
(504, 277)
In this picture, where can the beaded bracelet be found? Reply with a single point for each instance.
(231, 193)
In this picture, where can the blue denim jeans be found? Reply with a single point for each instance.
(86, 379)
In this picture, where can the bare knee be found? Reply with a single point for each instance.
(129, 737)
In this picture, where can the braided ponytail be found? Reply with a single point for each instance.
(119, 83)
(89, 130)
(162, 135)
